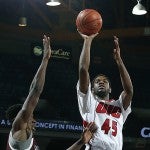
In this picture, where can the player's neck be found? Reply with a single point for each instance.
(102, 98)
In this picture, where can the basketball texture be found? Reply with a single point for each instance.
(89, 21)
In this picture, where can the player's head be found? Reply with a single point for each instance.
(101, 86)
(12, 111)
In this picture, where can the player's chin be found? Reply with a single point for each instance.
(101, 90)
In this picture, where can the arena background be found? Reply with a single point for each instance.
(58, 120)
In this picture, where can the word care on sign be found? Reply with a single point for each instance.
(61, 53)
(50, 125)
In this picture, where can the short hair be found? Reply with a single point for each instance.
(98, 76)
(12, 111)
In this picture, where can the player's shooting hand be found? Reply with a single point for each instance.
(87, 36)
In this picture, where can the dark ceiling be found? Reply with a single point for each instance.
(61, 19)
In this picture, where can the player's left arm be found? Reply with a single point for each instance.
(36, 89)
(38, 81)
(127, 93)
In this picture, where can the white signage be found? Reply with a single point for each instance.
(145, 132)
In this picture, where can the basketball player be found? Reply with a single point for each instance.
(85, 137)
(21, 133)
(95, 104)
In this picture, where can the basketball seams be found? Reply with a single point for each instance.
(81, 22)
(89, 21)
(84, 22)
(89, 14)
(96, 25)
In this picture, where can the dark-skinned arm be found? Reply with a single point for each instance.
(36, 88)
(85, 137)
(84, 62)
(127, 93)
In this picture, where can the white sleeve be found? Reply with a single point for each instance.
(84, 100)
(126, 112)
(17, 145)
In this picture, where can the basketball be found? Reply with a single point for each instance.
(89, 21)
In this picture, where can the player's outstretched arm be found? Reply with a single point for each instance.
(84, 62)
(36, 88)
(127, 93)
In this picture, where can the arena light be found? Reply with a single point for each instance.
(139, 9)
(22, 21)
(53, 2)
